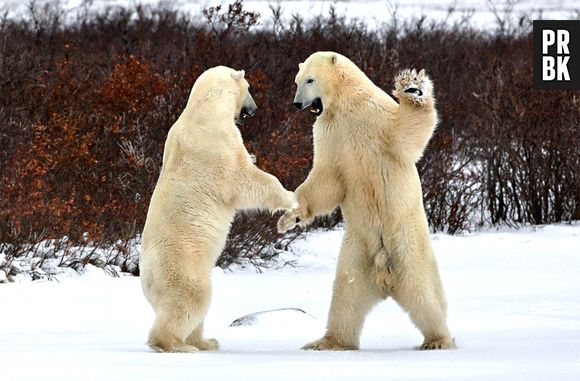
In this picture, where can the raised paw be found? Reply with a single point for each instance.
(328, 344)
(443, 343)
(288, 220)
(413, 87)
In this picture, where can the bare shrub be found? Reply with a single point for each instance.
(85, 108)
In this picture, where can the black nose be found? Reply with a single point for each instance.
(298, 105)
(251, 111)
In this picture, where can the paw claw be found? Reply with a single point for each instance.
(287, 221)
(444, 343)
(412, 86)
(209, 345)
(328, 344)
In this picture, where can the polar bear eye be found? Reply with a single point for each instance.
(309, 80)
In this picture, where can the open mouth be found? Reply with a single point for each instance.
(243, 115)
(316, 107)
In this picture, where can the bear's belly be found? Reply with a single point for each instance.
(381, 235)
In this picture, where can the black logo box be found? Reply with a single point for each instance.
(573, 27)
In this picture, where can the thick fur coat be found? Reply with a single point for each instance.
(365, 149)
(207, 175)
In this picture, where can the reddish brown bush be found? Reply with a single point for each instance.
(85, 108)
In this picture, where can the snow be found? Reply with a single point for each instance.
(373, 12)
(514, 308)
(59, 257)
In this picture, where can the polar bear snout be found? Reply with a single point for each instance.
(316, 106)
(308, 95)
(248, 111)
(249, 107)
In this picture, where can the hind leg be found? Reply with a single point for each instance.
(177, 317)
(169, 331)
(354, 294)
(424, 300)
(197, 340)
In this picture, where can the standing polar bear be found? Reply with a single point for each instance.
(207, 175)
(365, 149)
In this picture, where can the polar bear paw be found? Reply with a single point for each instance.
(202, 344)
(443, 343)
(413, 87)
(288, 220)
(207, 345)
(182, 348)
(328, 344)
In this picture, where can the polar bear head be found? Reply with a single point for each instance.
(222, 87)
(320, 79)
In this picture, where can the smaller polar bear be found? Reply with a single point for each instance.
(207, 175)
(365, 149)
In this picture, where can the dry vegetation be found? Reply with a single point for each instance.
(85, 106)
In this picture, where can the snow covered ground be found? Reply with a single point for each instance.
(373, 12)
(514, 309)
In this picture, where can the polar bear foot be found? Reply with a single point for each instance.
(196, 339)
(413, 87)
(174, 349)
(328, 344)
(207, 345)
(443, 343)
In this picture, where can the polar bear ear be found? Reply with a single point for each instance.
(300, 66)
(333, 59)
(237, 75)
(422, 73)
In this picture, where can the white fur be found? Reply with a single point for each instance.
(365, 148)
(207, 175)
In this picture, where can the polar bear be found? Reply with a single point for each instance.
(206, 176)
(365, 149)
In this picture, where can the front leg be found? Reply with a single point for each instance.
(417, 113)
(261, 190)
(319, 194)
